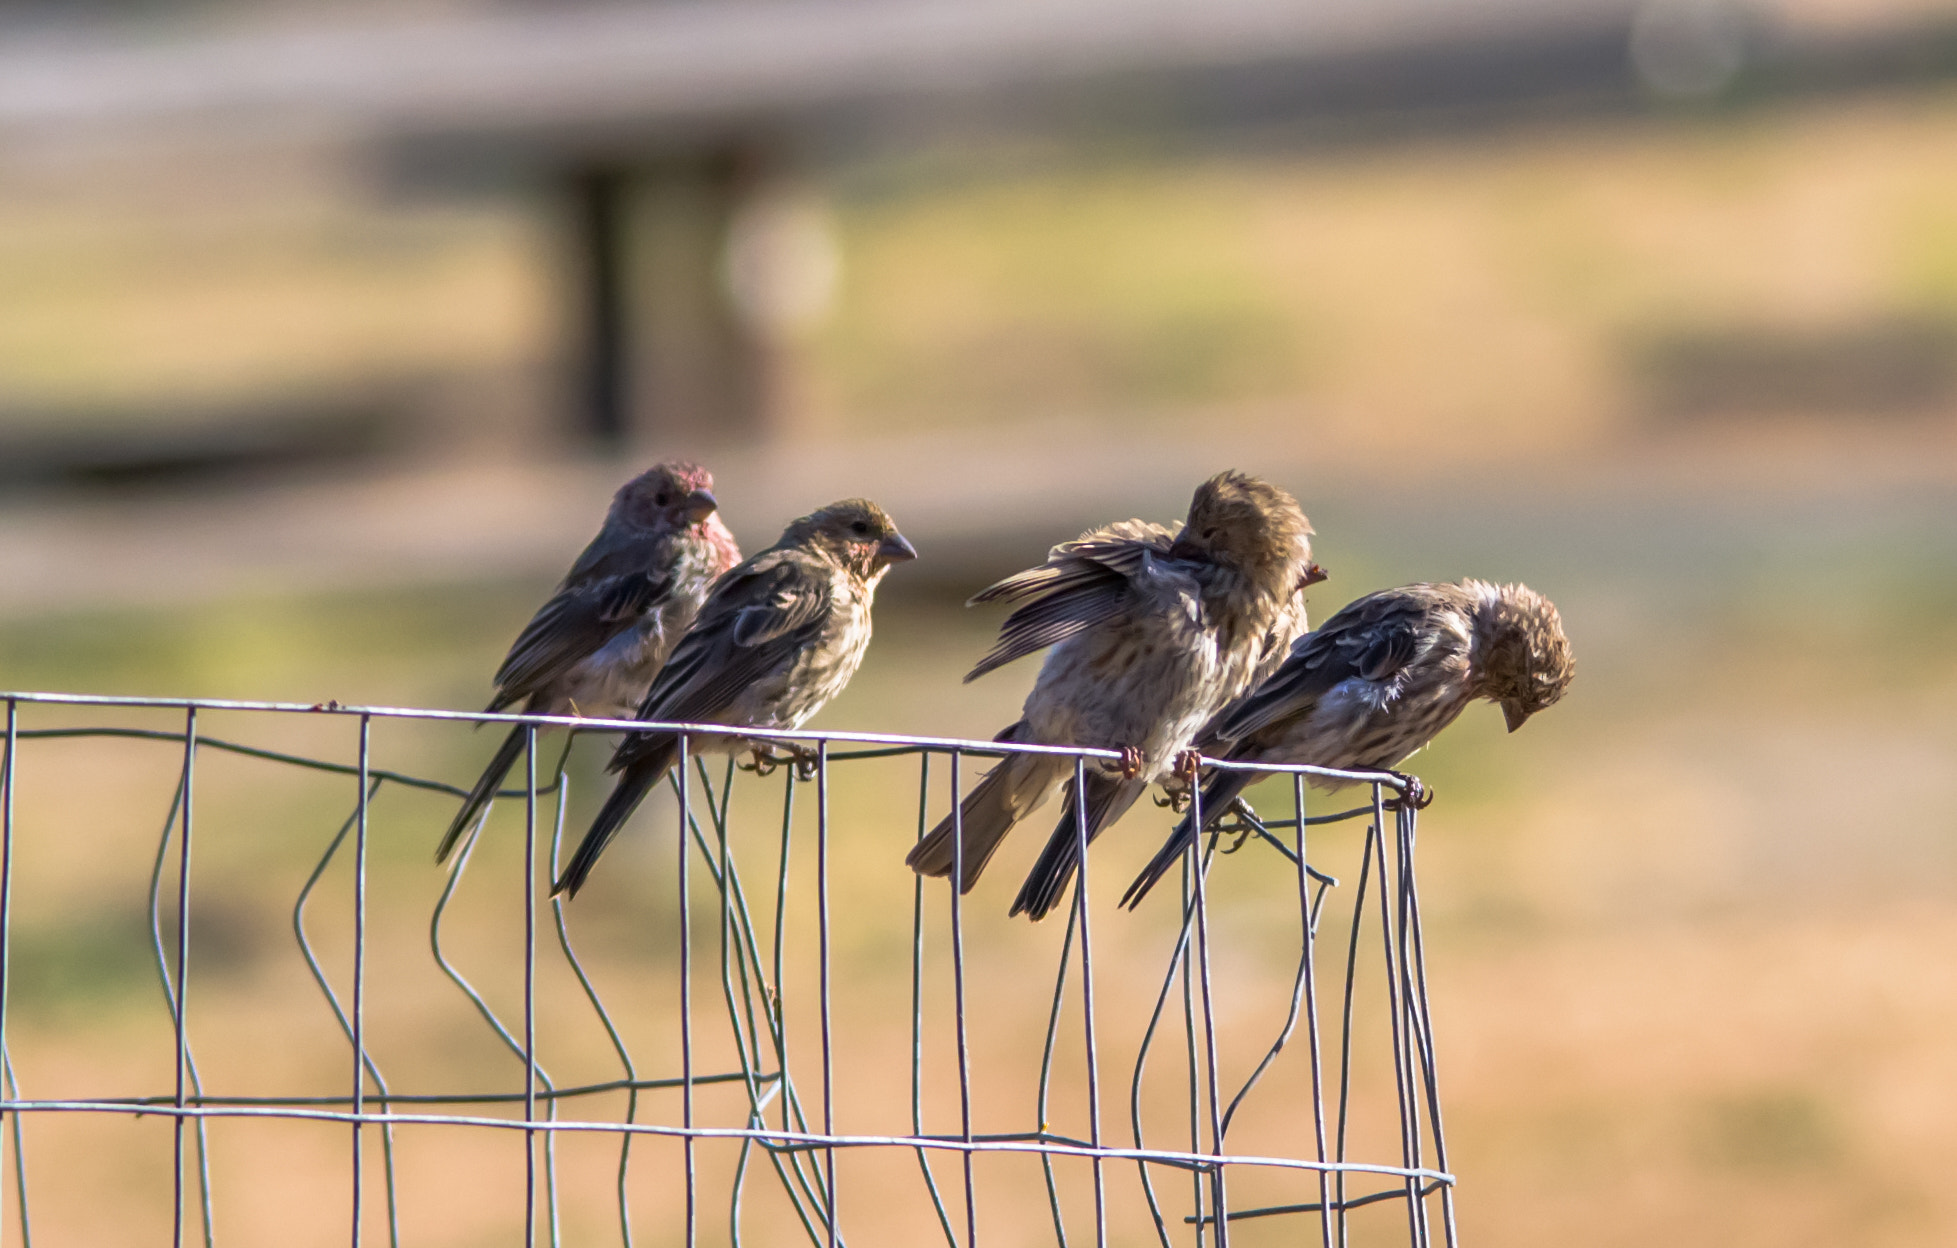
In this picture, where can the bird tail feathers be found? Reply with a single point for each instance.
(1224, 788)
(633, 784)
(1107, 799)
(1008, 793)
(484, 792)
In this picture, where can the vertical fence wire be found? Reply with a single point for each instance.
(1042, 1114)
(12, 1088)
(1418, 958)
(1308, 921)
(823, 953)
(1087, 1005)
(958, 993)
(917, 1006)
(1193, 865)
(360, 971)
(1218, 1201)
(367, 791)
(739, 998)
(598, 1008)
(188, 1083)
(1395, 1012)
(1345, 1028)
(529, 984)
(685, 910)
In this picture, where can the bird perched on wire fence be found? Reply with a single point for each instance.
(1291, 624)
(778, 637)
(594, 647)
(1377, 682)
(1153, 631)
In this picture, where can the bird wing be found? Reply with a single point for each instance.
(1372, 638)
(620, 548)
(577, 621)
(757, 619)
(1081, 584)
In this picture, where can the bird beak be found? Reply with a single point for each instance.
(699, 505)
(1313, 575)
(895, 549)
(1515, 714)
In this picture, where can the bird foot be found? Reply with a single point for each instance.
(1174, 795)
(1181, 781)
(761, 762)
(1132, 763)
(1189, 766)
(1418, 796)
(1246, 825)
(770, 756)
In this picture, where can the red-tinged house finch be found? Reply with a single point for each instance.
(1378, 681)
(1152, 632)
(595, 646)
(778, 637)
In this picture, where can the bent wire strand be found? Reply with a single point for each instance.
(802, 1191)
(752, 997)
(534, 1072)
(325, 986)
(175, 992)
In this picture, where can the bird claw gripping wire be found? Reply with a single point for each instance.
(1247, 824)
(1176, 789)
(1175, 795)
(766, 759)
(1132, 763)
(1189, 767)
(1418, 796)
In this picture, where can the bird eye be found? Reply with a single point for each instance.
(660, 499)
(860, 527)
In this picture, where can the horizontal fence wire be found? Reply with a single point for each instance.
(793, 1125)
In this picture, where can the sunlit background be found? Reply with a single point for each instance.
(327, 329)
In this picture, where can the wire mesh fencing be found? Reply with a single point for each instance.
(756, 1026)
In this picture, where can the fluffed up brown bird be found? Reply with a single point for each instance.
(1152, 631)
(1377, 682)
(594, 647)
(778, 637)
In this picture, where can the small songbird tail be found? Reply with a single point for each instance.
(1108, 797)
(634, 782)
(1223, 788)
(485, 791)
(1008, 793)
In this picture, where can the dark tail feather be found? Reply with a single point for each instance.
(633, 784)
(1108, 798)
(485, 790)
(1224, 787)
(1007, 794)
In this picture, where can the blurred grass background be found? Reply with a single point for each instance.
(1692, 376)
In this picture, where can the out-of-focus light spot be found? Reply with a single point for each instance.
(782, 262)
(1688, 49)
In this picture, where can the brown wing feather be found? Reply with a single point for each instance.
(576, 622)
(1371, 638)
(1082, 583)
(759, 617)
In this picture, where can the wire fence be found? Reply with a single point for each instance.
(727, 1101)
